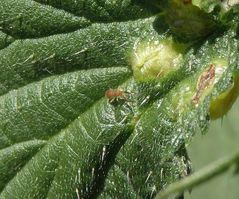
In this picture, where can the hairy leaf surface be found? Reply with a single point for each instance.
(98, 99)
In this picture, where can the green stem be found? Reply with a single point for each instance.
(199, 177)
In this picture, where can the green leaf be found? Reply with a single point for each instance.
(98, 99)
(59, 109)
(25, 18)
(5, 40)
(154, 155)
(105, 11)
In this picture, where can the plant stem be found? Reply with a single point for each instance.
(199, 177)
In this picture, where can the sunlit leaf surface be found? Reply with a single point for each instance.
(99, 98)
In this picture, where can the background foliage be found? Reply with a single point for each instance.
(221, 140)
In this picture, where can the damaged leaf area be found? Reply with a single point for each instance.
(98, 99)
(156, 59)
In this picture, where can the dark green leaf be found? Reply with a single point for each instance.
(99, 98)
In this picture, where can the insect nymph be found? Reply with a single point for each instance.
(115, 95)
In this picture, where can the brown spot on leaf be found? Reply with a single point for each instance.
(204, 81)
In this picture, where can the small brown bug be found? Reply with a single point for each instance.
(115, 95)
(205, 80)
